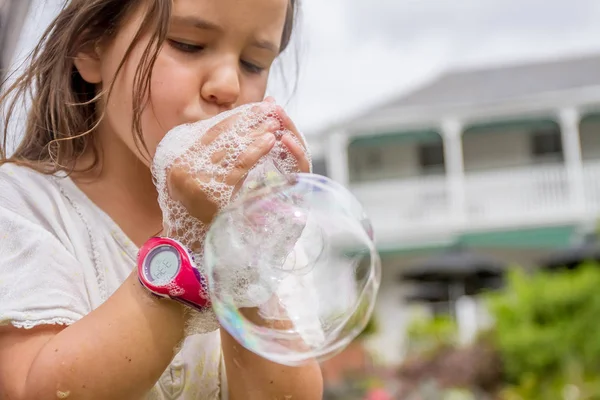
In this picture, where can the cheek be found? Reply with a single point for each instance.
(253, 90)
(174, 97)
(119, 107)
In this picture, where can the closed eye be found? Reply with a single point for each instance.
(194, 48)
(185, 47)
(252, 68)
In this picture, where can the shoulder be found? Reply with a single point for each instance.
(38, 249)
(31, 195)
(17, 181)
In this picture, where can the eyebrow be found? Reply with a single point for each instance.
(195, 22)
(267, 45)
(200, 23)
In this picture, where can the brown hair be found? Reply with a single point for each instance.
(59, 121)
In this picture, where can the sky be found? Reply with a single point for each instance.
(355, 54)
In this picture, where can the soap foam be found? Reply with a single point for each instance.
(209, 150)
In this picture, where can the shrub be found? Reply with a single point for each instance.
(546, 331)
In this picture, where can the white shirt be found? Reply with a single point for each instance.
(61, 257)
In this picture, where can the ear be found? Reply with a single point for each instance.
(88, 64)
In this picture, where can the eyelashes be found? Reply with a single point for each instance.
(188, 48)
(252, 68)
(185, 47)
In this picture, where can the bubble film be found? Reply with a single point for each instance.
(208, 150)
(292, 268)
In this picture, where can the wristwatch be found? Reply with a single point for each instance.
(166, 268)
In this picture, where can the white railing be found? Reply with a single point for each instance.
(410, 205)
(509, 197)
(516, 195)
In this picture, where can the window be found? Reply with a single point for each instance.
(366, 163)
(546, 145)
(373, 158)
(431, 158)
(320, 167)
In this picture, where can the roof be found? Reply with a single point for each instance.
(501, 83)
(471, 89)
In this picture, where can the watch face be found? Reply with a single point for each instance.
(162, 265)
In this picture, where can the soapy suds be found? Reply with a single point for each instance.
(209, 150)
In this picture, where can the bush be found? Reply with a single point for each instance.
(546, 331)
(431, 335)
(436, 358)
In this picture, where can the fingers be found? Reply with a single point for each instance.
(289, 125)
(298, 152)
(220, 128)
(258, 149)
(294, 141)
(255, 130)
(270, 125)
(276, 120)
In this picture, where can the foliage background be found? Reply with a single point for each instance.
(547, 333)
(545, 341)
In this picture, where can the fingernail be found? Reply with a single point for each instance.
(273, 124)
(268, 139)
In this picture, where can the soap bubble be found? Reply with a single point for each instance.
(289, 262)
(292, 267)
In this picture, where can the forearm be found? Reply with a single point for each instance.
(116, 352)
(252, 377)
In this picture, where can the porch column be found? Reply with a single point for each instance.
(337, 157)
(569, 127)
(455, 170)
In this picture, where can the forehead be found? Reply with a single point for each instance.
(242, 17)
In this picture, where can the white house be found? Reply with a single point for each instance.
(505, 159)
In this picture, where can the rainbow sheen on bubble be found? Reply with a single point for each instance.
(292, 267)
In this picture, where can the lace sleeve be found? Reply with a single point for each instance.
(41, 282)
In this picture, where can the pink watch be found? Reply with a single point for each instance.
(166, 268)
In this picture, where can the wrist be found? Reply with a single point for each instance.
(149, 298)
(165, 317)
(167, 274)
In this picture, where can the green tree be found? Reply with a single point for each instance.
(546, 330)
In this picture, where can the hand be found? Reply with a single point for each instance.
(294, 142)
(196, 190)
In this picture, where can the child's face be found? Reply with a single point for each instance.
(217, 56)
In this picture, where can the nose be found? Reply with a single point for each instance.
(222, 85)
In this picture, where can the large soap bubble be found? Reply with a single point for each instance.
(292, 267)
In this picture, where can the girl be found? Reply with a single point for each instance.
(109, 79)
